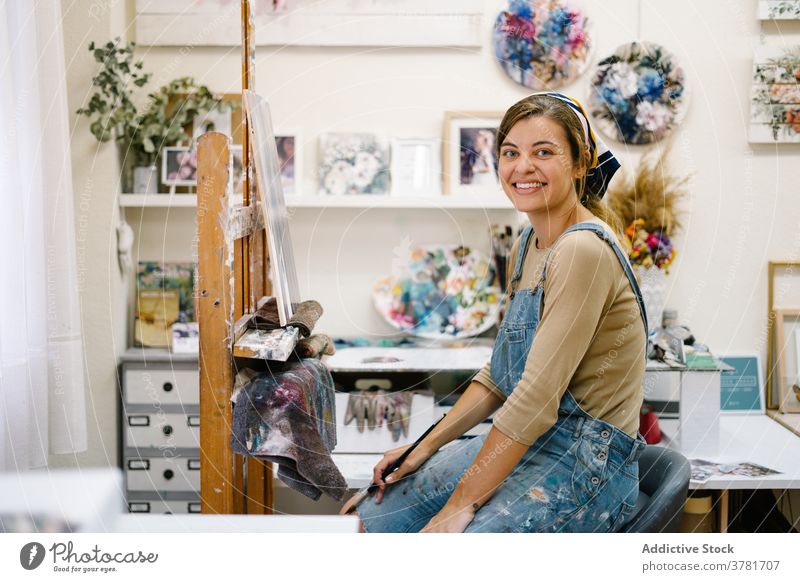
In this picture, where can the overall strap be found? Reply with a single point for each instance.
(522, 251)
(623, 259)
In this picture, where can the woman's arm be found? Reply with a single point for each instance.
(495, 461)
(476, 404)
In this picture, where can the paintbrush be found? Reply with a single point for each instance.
(394, 465)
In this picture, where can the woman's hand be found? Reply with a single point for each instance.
(450, 520)
(414, 461)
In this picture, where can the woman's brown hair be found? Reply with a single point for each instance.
(558, 111)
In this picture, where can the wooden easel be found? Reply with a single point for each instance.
(233, 263)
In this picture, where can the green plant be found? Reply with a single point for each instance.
(140, 135)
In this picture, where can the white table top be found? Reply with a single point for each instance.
(753, 438)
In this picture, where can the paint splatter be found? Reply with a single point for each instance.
(538, 494)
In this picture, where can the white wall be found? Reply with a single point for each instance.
(743, 210)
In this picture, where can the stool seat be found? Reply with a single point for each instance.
(663, 484)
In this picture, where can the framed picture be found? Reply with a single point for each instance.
(741, 389)
(416, 167)
(179, 166)
(787, 326)
(779, 9)
(289, 160)
(470, 162)
(775, 95)
(268, 177)
(215, 120)
(353, 163)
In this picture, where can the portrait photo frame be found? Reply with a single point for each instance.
(176, 169)
(787, 359)
(416, 167)
(470, 164)
(290, 163)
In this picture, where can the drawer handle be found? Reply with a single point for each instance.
(193, 420)
(138, 421)
(167, 386)
(139, 507)
(195, 508)
(167, 430)
(168, 474)
(194, 464)
(139, 465)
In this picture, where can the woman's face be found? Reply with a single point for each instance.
(536, 168)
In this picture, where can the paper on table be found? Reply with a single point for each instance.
(703, 470)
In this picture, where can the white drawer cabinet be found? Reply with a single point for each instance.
(160, 431)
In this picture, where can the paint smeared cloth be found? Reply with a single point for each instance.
(305, 317)
(287, 416)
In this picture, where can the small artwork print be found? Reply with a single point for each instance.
(185, 338)
(353, 163)
(178, 276)
(779, 10)
(219, 121)
(477, 159)
(287, 155)
(775, 96)
(638, 94)
(469, 152)
(156, 311)
(542, 44)
(179, 166)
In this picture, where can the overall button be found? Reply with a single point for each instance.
(595, 480)
(605, 434)
(601, 457)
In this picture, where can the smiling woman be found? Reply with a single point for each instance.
(562, 452)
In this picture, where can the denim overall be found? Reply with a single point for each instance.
(582, 475)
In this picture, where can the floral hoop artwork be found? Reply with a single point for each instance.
(542, 44)
(353, 163)
(638, 94)
(443, 292)
(775, 96)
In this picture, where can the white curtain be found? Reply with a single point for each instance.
(42, 389)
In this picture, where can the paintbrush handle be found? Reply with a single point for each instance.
(401, 459)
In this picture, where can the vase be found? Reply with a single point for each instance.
(653, 285)
(145, 180)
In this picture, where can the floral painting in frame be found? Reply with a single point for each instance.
(353, 163)
(775, 96)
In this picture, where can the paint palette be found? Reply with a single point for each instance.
(441, 292)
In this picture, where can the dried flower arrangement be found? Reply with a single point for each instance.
(647, 204)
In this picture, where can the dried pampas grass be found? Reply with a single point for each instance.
(652, 194)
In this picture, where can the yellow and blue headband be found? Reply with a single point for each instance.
(603, 164)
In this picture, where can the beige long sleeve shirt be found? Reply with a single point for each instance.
(590, 340)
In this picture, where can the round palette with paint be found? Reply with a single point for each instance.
(441, 292)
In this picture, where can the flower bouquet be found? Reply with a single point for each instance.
(647, 204)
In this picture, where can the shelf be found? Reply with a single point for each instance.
(488, 202)
(158, 200)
